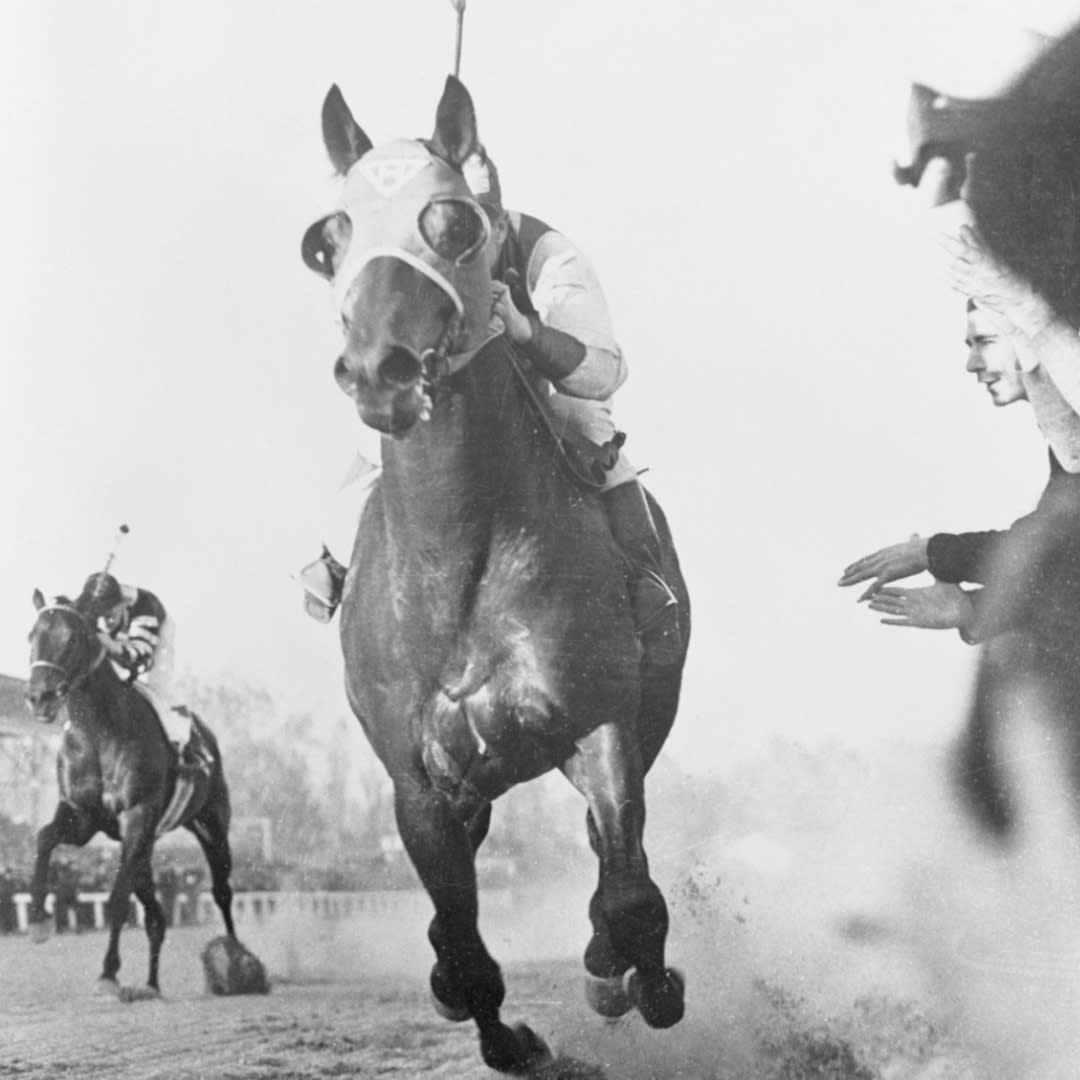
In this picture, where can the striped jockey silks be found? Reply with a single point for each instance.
(139, 634)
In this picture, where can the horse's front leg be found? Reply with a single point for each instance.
(465, 981)
(137, 844)
(69, 825)
(628, 913)
(143, 886)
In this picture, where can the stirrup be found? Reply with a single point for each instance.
(319, 609)
(322, 582)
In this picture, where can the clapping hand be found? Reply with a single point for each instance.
(888, 564)
(940, 606)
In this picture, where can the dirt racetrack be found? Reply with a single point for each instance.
(52, 1024)
(350, 1000)
(812, 951)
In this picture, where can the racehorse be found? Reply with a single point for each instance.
(486, 623)
(117, 772)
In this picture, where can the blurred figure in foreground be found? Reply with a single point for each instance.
(971, 557)
(992, 906)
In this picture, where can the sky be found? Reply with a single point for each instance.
(797, 386)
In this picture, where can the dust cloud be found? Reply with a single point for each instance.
(835, 914)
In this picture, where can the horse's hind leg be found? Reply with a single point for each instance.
(628, 912)
(211, 828)
(69, 825)
(465, 981)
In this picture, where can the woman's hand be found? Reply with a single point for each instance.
(940, 606)
(888, 564)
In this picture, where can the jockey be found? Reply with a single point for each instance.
(138, 637)
(130, 624)
(549, 301)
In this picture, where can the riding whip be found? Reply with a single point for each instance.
(459, 7)
(121, 533)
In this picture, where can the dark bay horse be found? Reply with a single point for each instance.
(486, 623)
(116, 771)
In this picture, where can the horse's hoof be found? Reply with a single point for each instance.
(442, 998)
(108, 988)
(514, 1050)
(660, 1001)
(449, 1012)
(139, 993)
(232, 968)
(608, 997)
(40, 932)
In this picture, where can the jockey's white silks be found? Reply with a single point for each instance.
(384, 195)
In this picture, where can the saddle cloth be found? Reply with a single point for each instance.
(194, 758)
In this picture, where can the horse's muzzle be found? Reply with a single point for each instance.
(45, 702)
(394, 400)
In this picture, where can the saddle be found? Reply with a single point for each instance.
(194, 762)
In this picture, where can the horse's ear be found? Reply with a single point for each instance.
(455, 135)
(39, 600)
(345, 140)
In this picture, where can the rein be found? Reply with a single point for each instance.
(438, 364)
(543, 415)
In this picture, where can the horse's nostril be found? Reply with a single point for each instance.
(399, 367)
(37, 698)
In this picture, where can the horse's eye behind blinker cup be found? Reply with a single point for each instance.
(455, 229)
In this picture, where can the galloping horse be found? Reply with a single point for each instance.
(486, 623)
(117, 772)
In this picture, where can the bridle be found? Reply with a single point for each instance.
(416, 235)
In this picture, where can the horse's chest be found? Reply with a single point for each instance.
(494, 720)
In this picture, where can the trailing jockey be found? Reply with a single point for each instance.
(547, 298)
(138, 638)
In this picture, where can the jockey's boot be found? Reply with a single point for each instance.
(656, 611)
(323, 581)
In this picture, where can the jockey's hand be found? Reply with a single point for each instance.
(503, 307)
(1005, 296)
(111, 645)
(888, 564)
(940, 606)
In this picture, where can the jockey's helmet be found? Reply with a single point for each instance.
(483, 180)
(100, 594)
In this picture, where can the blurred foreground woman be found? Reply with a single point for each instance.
(993, 905)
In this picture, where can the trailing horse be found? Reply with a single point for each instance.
(117, 773)
(486, 623)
